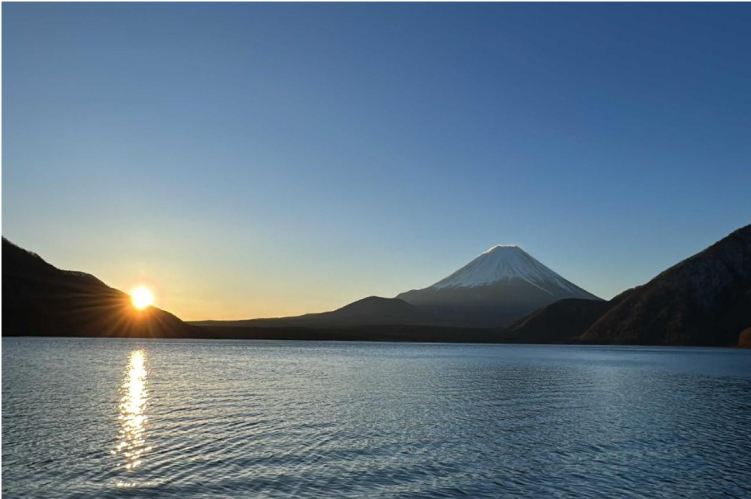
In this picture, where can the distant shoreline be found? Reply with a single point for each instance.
(393, 334)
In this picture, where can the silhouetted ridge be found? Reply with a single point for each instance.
(42, 300)
(703, 300)
(369, 311)
(559, 322)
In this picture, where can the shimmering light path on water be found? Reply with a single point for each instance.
(132, 444)
(86, 418)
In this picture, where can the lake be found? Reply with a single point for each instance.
(99, 418)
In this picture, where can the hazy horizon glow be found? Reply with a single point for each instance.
(257, 160)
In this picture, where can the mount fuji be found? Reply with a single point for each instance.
(498, 287)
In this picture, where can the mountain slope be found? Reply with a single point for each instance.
(500, 286)
(560, 322)
(703, 300)
(370, 311)
(42, 300)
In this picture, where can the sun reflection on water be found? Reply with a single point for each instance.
(132, 438)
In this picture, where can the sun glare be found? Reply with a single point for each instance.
(142, 297)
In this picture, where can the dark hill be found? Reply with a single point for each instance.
(370, 311)
(559, 322)
(703, 300)
(42, 300)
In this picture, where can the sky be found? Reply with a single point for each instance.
(260, 160)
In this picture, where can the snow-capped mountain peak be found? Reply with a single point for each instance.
(501, 263)
(501, 285)
(501, 247)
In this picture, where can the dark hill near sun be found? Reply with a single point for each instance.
(42, 300)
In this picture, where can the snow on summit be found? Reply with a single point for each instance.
(501, 263)
(503, 284)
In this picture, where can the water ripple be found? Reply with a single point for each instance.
(203, 419)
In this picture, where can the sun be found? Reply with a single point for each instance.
(142, 297)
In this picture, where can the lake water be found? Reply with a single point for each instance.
(98, 418)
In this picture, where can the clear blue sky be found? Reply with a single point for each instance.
(272, 159)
